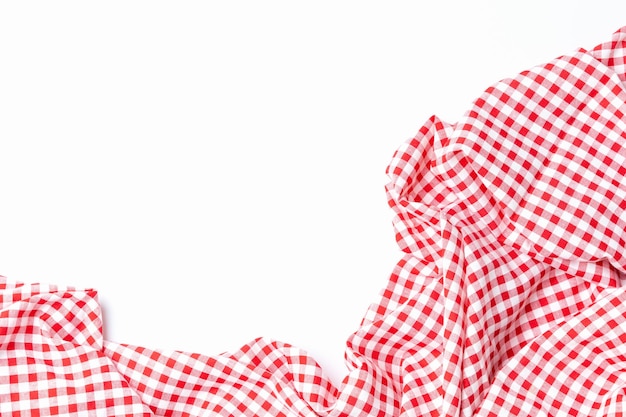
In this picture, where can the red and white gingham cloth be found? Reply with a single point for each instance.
(509, 298)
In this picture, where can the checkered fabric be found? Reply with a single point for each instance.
(508, 298)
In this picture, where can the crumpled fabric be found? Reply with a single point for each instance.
(508, 297)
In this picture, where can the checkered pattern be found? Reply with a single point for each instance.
(507, 300)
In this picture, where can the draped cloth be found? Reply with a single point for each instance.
(508, 297)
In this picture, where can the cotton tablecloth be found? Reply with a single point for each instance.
(508, 297)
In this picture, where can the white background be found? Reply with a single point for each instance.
(216, 169)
